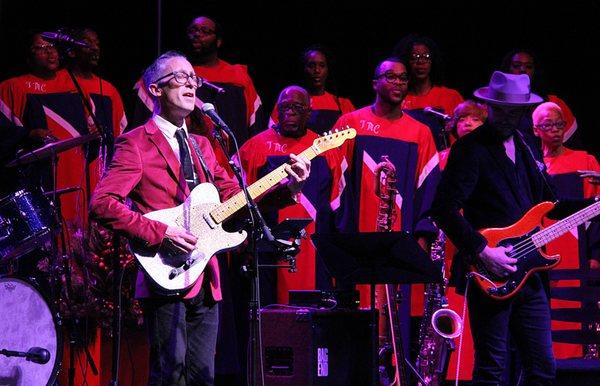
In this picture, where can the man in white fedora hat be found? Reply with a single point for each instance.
(492, 176)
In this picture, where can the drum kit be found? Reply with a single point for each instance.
(30, 342)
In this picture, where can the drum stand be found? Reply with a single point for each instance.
(118, 272)
(75, 338)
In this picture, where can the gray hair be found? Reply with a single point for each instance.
(543, 108)
(294, 88)
(156, 69)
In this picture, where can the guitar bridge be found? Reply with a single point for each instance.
(186, 266)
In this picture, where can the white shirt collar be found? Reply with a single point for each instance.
(166, 127)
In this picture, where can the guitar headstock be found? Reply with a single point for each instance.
(333, 139)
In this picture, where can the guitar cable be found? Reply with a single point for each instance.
(473, 273)
(464, 314)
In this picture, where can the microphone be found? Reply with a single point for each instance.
(219, 90)
(209, 109)
(38, 355)
(430, 110)
(63, 38)
(35, 354)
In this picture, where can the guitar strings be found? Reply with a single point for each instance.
(523, 247)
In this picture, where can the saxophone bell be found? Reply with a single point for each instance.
(447, 323)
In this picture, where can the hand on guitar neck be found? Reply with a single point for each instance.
(298, 172)
(498, 260)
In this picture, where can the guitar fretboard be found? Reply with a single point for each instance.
(563, 226)
(238, 201)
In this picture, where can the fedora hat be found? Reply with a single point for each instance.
(508, 89)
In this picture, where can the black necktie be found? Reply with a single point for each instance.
(184, 157)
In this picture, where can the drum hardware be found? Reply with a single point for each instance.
(50, 150)
(75, 338)
(63, 191)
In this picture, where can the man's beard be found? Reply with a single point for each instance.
(199, 55)
(294, 132)
(504, 130)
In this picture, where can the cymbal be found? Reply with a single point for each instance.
(50, 150)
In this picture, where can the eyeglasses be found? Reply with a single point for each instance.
(200, 30)
(182, 78)
(420, 58)
(43, 47)
(549, 125)
(522, 65)
(298, 108)
(390, 77)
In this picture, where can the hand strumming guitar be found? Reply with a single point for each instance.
(180, 239)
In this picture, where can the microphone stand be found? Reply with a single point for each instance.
(118, 271)
(444, 118)
(259, 230)
(75, 321)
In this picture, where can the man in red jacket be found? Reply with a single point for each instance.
(155, 166)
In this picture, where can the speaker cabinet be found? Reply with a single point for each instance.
(316, 347)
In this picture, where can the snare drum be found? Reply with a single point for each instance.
(26, 322)
(27, 218)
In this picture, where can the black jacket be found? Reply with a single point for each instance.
(480, 179)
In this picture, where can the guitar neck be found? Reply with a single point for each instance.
(238, 201)
(563, 226)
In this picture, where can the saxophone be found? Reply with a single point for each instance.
(385, 190)
(386, 296)
(440, 325)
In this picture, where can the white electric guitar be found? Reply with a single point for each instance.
(202, 214)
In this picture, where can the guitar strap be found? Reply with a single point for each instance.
(209, 176)
(541, 167)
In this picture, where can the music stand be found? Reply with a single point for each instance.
(376, 258)
(289, 228)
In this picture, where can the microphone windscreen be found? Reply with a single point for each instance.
(206, 107)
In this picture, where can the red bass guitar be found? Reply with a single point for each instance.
(526, 237)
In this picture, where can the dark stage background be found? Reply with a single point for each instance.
(473, 41)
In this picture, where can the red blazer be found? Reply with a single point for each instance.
(145, 170)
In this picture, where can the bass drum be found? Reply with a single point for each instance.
(26, 321)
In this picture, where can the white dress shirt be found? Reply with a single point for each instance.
(168, 130)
